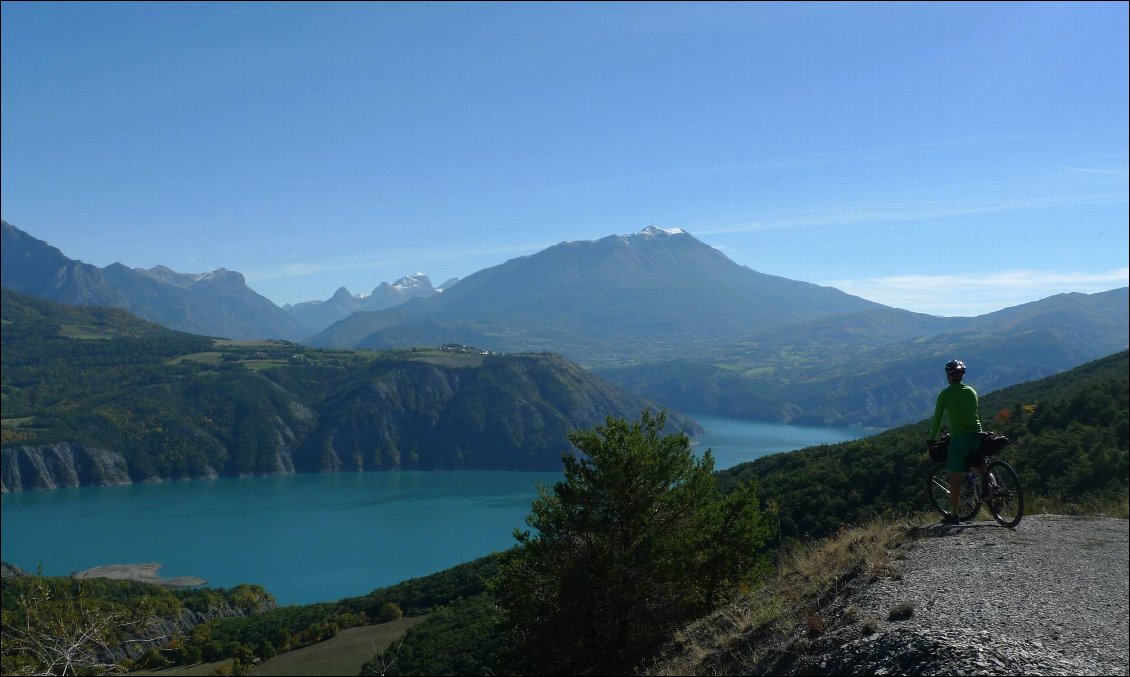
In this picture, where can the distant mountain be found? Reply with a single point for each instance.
(881, 368)
(216, 304)
(96, 396)
(664, 315)
(319, 315)
(34, 267)
(657, 312)
(653, 291)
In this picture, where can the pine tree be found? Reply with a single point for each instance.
(636, 540)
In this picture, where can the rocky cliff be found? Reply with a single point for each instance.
(97, 397)
(162, 629)
(64, 464)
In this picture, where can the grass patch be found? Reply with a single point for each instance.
(79, 331)
(1057, 505)
(260, 365)
(196, 670)
(253, 343)
(210, 358)
(451, 360)
(343, 655)
(16, 422)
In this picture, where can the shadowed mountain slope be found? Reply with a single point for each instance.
(653, 291)
(215, 304)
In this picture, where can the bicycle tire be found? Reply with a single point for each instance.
(938, 491)
(1007, 504)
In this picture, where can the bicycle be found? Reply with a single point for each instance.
(1005, 498)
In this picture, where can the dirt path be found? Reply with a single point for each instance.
(1050, 597)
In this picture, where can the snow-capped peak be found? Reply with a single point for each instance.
(652, 231)
(412, 281)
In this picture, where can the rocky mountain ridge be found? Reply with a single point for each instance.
(213, 304)
(319, 315)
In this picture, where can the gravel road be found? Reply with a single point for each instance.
(1049, 597)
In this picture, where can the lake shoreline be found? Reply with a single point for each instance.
(142, 573)
(312, 537)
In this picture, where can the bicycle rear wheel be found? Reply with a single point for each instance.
(1007, 503)
(938, 491)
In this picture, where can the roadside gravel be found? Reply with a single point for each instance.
(1049, 597)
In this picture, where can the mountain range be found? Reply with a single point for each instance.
(657, 312)
(318, 315)
(664, 315)
(218, 303)
(880, 368)
(653, 292)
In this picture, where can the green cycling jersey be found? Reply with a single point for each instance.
(960, 402)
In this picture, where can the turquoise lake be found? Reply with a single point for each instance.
(315, 538)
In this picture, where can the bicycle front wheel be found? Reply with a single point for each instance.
(1007, 502)
(938, 491)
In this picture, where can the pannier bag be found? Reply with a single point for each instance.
(991, 443)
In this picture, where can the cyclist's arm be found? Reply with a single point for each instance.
(939, 410)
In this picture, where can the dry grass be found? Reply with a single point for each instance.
(343, 654)
(1055, 505)
(793, 609)
(792, 605)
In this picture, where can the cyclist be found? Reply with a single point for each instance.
(959, 402)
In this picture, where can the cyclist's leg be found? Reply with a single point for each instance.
(955, 490)
(960, 448)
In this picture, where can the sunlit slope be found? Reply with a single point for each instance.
(95, 396)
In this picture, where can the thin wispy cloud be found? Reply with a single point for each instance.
(416, 259)
(913, 212)
(861, 156)
(964, 295)
(1096, 170)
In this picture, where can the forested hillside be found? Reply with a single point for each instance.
(1071, 445)
(95, 396)
(1070, 439)
(879, 368)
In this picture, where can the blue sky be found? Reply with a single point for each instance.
(949, 158)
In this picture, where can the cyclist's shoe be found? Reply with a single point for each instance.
(951, 519)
